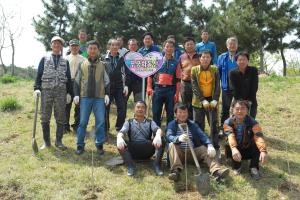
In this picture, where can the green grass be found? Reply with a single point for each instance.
(52, 174)
(9, 103)
(8, 79)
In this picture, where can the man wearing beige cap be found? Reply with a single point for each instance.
(75, 59)
(53, 83)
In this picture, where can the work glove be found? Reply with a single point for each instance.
(149, 91)
(69, 98)
(213, 104)
(125, 91)
(121, 144)
(236, 155)
(149, 86)
(157, 139)
(205, 104)
(211, 152)
(76, 100)
(183, 138)
(36, 93)
(106, 100)
(176, 98)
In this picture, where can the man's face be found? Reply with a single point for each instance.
(147, 41)
(242, 62)
(132, 46)
(189, 46)
(139, 110)
(169, 49)
(120, 40)
(205, 60)
(56, 46)
(114, 47)
(240, 111)
(204, 36)
(93, 51)
(74, 49)
(232, 46)
(182, 115)
(82, 36)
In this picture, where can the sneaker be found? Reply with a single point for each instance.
(130, 170)
(79, 150)
(237, 172)
(174, 175)
(255, 173)
(221, 174)
(100, 150)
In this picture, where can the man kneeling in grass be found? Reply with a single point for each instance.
(178, 144)
(144, 140)
(245, 139)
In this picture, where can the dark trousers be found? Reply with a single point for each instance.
(76, 113)
(253, 110)
(161, 96)
(186, 94)
(136, 89)
(251, 153)
(226, 103)
(117, 95)
(199, 118)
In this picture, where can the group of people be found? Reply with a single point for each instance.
(188, 84)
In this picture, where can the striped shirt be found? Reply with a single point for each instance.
(184, 145)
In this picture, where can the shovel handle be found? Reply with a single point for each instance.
(191, 149)
(36, 103)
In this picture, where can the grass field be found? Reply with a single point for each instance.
(53, 174)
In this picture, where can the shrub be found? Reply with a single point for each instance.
(9, 103)
(8, 79)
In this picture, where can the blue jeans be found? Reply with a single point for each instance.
(161, 96)
(87, 105)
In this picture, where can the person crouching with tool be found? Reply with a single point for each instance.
(206, 92)
(178, 144)
(53, 82)
(144, 140)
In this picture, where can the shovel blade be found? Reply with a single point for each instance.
(34, 146)
(203, 183)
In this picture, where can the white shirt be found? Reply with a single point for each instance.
(74, 61)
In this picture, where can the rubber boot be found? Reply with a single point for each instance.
(46, 136)
(157, 161)
(59, 136)
(128, 161)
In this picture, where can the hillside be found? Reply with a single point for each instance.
(53, 174)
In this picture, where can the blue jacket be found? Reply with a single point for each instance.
(224, 69)
(144, 50)
(199, 137)
(211, 46)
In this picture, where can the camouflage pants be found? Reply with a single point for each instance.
(53, 98)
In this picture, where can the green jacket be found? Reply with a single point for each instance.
(197, 93)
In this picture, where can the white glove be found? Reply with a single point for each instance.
(211, 152)
(106, 100)
(120, 142)
(69, 98)
(205, 104)
(236, 155)
(213, 104)
(36, 93)
(125, 90)
(157, 139)
(183, 138)
(76, 100)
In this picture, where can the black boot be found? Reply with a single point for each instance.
(46, 135)
(128, 161)
(156, 163)
(59, 136)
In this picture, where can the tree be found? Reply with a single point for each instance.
(55, 21)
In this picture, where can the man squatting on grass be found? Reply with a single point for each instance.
(245, 139)
(178, 143)
(53, 83)
(92, 85)
(144, 140)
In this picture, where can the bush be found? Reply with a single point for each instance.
(9, 103)
(8, 79)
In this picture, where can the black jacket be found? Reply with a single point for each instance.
(244, 86)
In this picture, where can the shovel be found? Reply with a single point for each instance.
(202, 179)
(33, 142)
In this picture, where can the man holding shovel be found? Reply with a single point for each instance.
(53, 82)
(178, 143)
